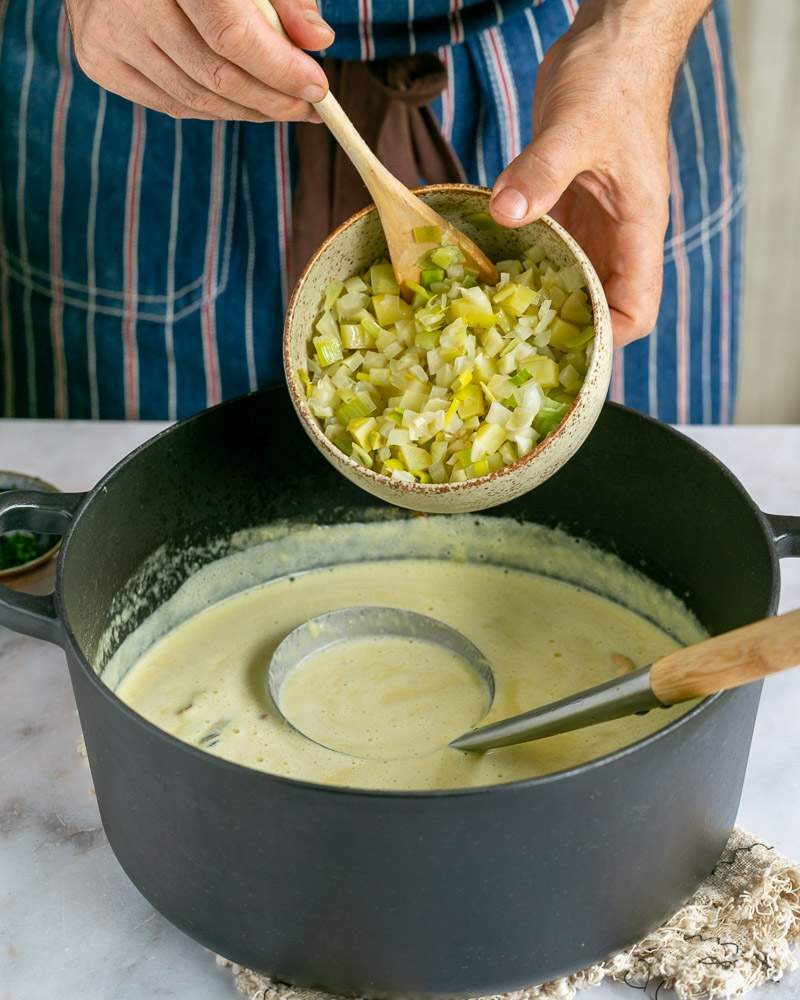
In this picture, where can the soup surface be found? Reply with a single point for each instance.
(197, 667)
(385, 697)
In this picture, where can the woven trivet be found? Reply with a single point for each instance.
(737, 931)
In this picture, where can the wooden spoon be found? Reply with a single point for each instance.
(725, 661)
(401, 212)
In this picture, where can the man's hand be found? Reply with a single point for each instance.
(211, 59)
(598, 160)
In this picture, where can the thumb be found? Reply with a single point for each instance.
(301, 21)
(533, 182)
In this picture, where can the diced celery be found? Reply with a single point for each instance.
(381, 277)
(544, 370)
(421, 295)
(390, 308)
(498, 414)
(557, 296)
(361, 428)
(549, 416)
(349, 307)
(504, 292)
(470, 313)
(570, 378)
(521, 299)
(326, 326)
(522, 376)
(482, 220)
(426, 339)
(511, 267)
(415, 458)
(328, 350)
(355, 284)
(342, 440)
(508, 454)
(431, 316)
(585, 335)
(561, 333)
(535, 254)
(332, 293)
(427, 234)
(504, 321)
(361, 456)
(354, 336)
(359, 406)
(571, 278)
(445, 257)
(485, 367)
(578, 361)
(430, 276)
(470, 401)
(492, 342)
(576, 308)
(373, 329)
(488, 438)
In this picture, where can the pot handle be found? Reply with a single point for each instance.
(45, 514)
(785, 530)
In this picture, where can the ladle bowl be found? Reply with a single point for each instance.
(367, 622)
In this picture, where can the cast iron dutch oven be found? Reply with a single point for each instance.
(432, 893)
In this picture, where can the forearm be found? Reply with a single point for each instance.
(666, 24)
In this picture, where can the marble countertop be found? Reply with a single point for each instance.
(73, 927)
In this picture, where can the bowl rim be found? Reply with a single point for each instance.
(328, 449)
(26, 482)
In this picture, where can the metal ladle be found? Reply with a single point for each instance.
(725, 661)
(365, 622)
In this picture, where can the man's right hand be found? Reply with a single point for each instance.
(209, 59)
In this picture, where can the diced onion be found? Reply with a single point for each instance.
(459, 382)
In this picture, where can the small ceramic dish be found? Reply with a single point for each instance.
(355, 245)
(38, 573)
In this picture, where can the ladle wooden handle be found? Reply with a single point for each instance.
(727, 661)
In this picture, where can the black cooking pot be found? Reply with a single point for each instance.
(429, 893)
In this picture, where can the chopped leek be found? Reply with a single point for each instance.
(427, 234)
(459, 382)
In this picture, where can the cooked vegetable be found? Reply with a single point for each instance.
(464, 379)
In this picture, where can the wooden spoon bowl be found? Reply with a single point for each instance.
(355, 245)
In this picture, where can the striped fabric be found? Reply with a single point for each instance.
(143, 261)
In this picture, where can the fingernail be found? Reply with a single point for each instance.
(318, 22)
(313, 93)
(511, 203)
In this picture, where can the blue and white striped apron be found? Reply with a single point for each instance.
(143, 260)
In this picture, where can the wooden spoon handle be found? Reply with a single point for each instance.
(373, 173)
(727, 661)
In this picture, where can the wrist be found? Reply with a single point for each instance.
(660, 28)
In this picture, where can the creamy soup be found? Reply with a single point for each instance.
(386, 697)
(197, 667)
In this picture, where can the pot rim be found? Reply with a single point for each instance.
(313, 429)
(72, 647)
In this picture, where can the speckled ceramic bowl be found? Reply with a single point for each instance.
(353, 247)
